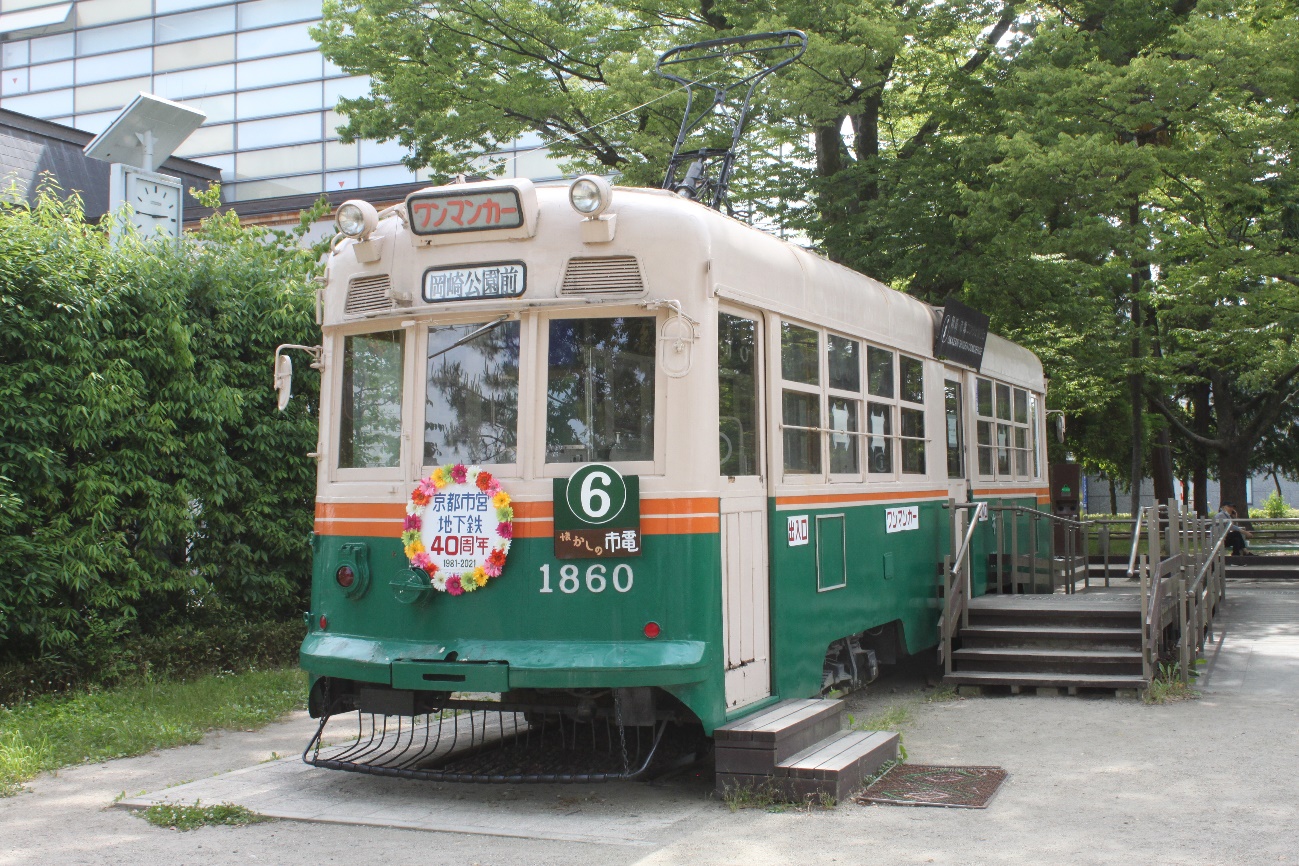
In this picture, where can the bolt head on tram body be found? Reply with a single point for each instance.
(356, 219)
(590, 195)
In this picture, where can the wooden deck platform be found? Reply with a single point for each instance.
(1089, 639)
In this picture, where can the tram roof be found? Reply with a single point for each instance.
(748, 264)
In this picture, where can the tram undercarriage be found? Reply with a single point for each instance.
(579, 735)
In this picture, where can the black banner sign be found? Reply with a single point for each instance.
(962, 335)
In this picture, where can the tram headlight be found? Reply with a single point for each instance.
(590, 195)
(356, 219)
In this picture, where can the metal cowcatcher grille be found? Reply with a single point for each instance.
(485, 744)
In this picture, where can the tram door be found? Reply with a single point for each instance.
(743, 505)
(958, 487)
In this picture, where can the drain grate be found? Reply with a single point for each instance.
(922, 785)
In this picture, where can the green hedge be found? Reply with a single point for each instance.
(147, 482)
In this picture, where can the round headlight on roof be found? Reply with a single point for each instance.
(356, 218)
(590, 195)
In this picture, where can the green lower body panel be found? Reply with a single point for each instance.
(497, 666)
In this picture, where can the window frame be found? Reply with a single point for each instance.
(1005, 422)
(502, 470)
(334, 361)
(537, 322)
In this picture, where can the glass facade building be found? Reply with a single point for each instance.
(252, 67)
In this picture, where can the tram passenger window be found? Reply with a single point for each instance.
(600, 390)
(843, 438)
(370, 415)
(913, 441)
(1032, 433)
(471, 402)
(912, 372)
(1003, 449)
(802, 446)
(799, 358)
(983, 393)
(737, 387)
(845, 363)
(1003, 402)
(985, 447)
(879, 372)
(879, 441)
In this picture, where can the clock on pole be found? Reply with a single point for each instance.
(137, 142)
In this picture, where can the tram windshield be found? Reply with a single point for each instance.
(471, 400)
(370, 419)
(600, 390)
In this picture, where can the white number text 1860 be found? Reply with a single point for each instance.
(597, 578)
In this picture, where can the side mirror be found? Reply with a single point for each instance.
(283, 380)
(1059, 428)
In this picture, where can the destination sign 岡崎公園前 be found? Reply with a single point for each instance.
(450, 212)
(962, 335)
(497, 280)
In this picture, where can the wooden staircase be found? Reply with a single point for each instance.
(1051, 642)
(798, 749)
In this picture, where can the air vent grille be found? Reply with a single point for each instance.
(611, 275)
(368, 295)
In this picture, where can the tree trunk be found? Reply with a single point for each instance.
(1161, 465)
(1200, 454)
(1135, 386)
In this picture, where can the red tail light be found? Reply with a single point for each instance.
(324, 622)
(345, 576)
(652, 630)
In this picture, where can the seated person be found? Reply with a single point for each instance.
(1235, 535)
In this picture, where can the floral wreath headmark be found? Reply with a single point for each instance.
(492, 544)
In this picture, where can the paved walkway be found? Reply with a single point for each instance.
(1255, 648)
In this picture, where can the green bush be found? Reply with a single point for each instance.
(146, 479)
(1274, 506)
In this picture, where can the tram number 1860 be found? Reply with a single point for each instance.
(598, 578)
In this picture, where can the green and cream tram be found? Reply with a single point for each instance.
(587, 442)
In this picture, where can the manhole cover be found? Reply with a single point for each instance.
(920, 785)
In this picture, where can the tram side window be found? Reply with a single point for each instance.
(880, 376)
(800, 367)
(1032, 434)
(600, 390)
(983, 409)
(471, 401)
(370, 414)
(737, 386)
(1007, 438)
(844, 400)
(912, 428)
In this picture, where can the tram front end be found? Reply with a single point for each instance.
(507, 585)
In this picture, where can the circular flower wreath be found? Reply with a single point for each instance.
(466, 581)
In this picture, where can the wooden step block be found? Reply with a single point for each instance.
(838, 765)
(1024, 635)
(1044, 660)
(755, 744)
(1007, 678)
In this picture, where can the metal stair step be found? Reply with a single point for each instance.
(755, 744)
(1013, 653)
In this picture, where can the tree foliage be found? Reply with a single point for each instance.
(145, 475)
(1111, 180)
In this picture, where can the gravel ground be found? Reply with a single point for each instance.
(1092, 780)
